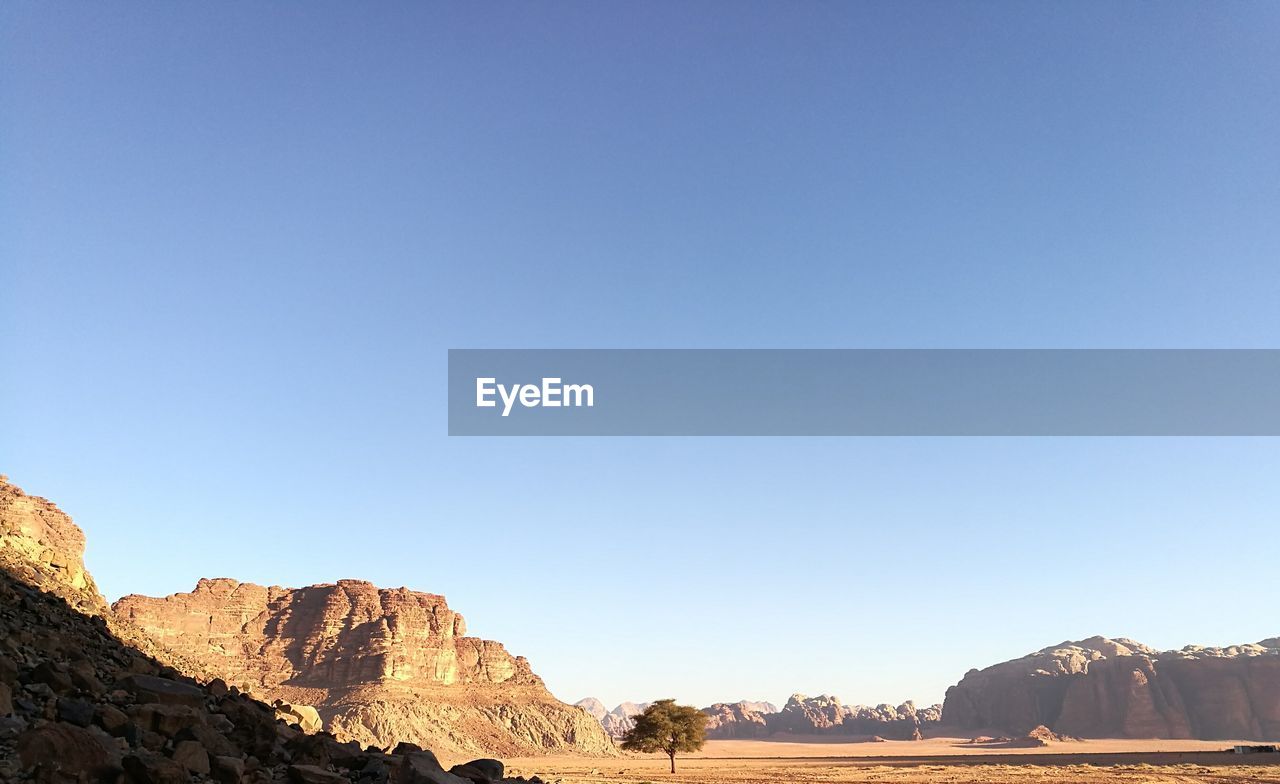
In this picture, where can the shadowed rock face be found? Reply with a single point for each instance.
(381, 665)
(1119, 688)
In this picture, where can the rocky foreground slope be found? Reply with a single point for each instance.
(380, 665)
(1120, 688)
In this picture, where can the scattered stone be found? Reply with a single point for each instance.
(314, 774)
(111, 719)
(68, 750)
(480, 771)
(227, 769)
(191, 755)
(148, 767)
(151, 688)
(77, 712)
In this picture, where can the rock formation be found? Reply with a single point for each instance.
(802, 715)
(617, 721)
(1119, 688)
(78, 704)
(826, 715)
(594, 707)
(40, 545)
(758, 707)
(380, 665)
(735, 720)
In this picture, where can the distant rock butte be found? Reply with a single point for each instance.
(1101, 687)
(380, 665)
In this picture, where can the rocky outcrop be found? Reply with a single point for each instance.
(78, 704)
(40, 545)
(379, 665)
(735, 720)
(758, 707)
(1119, 688)
(826, 715)
(802, 715)
(595, 708)
(618, 721)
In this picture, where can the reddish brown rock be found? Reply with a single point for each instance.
(1119, 688)
(60, 751)
(380, 665)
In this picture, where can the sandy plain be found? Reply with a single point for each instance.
(950, 760)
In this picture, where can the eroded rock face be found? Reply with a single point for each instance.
(802, 715)
(40, 545)
(1119, 688)
(380, 665)
(731, 720)
(826, 715)
(88, 707)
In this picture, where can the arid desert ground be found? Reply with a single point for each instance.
(949, 760)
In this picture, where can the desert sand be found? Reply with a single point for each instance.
(951, 760)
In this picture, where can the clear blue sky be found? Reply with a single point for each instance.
(237, 240)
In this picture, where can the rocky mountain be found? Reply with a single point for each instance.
(379, 665)
(802, 715)
(40, 545)
(826, 715)
(735, 720)
(617, 721)
(1120, 688)
(594, 707)
(79, 702)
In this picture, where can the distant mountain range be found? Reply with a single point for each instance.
(616, 722)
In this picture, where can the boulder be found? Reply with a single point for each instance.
(58, 750)
(149, 767)
(314, 774)
(480, 771)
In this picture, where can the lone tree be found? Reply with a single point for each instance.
(665, 726)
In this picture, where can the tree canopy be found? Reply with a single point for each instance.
(667, 727)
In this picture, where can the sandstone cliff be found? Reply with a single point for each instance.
(735, 720)
(41, 546)
(1119, 688)
(826, 715)
(79, 704)
(380, 665)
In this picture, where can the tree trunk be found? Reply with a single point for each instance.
(673, 762)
